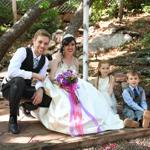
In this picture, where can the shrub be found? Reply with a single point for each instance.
(146, 40)
(6, 15)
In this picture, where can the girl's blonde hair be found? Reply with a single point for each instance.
(98, 69)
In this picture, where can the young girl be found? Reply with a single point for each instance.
(105, 83)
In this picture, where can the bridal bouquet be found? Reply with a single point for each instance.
(68, 81)
(67, 78)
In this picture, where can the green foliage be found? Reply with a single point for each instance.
(6, 15)
(146, 40)
(103, 8)
(48, 20)
(97, 10)
(73, 4)
(3, 28)
(44, 4)
(112, 9)
(135, 4)
(24, 5)
(146, 8)
(140, 23)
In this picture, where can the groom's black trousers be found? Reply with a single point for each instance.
(16, 89)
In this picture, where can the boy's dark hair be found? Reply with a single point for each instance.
(133, 73)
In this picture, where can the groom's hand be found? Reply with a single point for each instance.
(37, 97)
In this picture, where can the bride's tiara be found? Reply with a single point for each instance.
(67, 36)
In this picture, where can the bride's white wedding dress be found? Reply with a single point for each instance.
(96, 114)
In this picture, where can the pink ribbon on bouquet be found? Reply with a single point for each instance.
(76, 113)
(76, 127)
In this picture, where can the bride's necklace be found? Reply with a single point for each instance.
(68, 63)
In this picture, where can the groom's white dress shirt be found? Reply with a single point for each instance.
(16, 62)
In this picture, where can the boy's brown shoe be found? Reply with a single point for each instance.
(129, 123)
(146, 119)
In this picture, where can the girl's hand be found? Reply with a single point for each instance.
(110, 91)
(112, 83)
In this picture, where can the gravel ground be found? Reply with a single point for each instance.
(134, 144)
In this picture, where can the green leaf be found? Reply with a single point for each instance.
(45, 4)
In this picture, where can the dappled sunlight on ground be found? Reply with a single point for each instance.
(20, 139)
(3, 117)
(112, 54)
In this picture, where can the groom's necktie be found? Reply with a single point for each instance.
(135, 92)
(35, 62)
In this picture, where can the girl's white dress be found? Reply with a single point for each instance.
(103, 87)
(97, 115)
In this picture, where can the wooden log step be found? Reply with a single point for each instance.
(100, 139)
(70, 143)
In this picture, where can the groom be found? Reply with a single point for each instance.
(27, 64)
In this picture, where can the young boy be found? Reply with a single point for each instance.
(134, 101)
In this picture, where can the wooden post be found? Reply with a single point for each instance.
(85, 38)
(14, 9)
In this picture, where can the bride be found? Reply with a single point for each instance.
(91, 114)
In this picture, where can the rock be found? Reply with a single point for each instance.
(106, 41)
(57, 36)
(52, 45)
(80, 30)
(127, 37)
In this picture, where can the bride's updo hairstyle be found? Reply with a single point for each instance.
(66, 40)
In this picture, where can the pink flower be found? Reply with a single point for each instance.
(110, 146)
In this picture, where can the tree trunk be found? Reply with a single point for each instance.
(7, 39)
(120, 13)
(77, 20)
(14, 9)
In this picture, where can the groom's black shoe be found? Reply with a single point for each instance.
(26, 107)
(13, 126)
